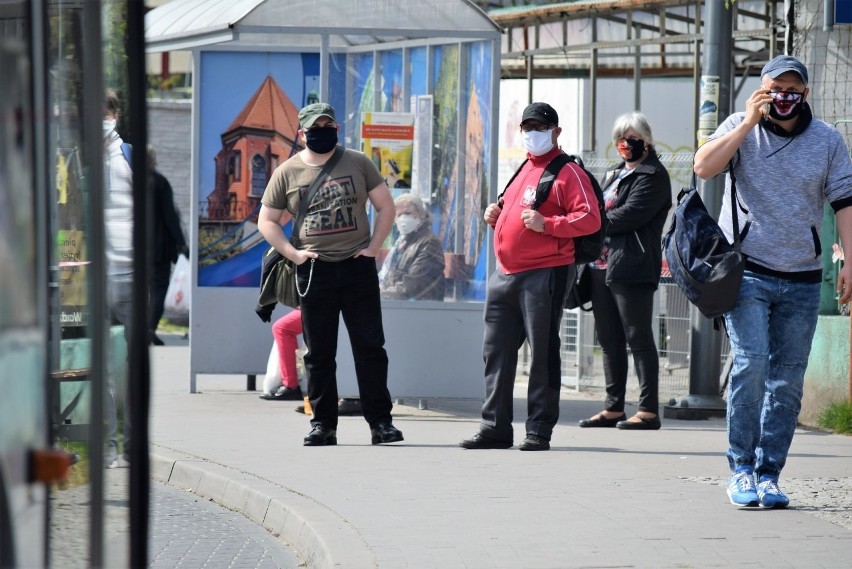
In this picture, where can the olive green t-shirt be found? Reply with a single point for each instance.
(336, 225)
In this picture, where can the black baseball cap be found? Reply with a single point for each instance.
(541, 112)
(783, 64)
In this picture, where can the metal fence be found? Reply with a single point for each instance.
(582, 365)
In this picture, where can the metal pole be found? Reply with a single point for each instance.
(138, 372)
(706, 342)
(593, 90)
(93, 161)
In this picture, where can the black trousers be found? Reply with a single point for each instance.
(526, 305)
(349, 288)
(623, 317)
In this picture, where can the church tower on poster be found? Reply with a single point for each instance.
(262, 136)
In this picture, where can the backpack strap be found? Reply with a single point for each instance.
(545, 182)
(127, 151)
(512, 179)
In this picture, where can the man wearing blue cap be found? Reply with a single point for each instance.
(787, 165)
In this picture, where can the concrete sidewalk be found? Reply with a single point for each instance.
(599, 498)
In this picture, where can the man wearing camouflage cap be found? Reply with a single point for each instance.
(336, 267)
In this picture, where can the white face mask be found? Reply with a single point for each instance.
(407, 223)
(109, 126)
(538, 143)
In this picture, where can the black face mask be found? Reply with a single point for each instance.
(321, 140)
(637, 149)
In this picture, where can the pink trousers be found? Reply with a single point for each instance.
(285, 330)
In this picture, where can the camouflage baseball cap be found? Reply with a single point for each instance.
(308, 115)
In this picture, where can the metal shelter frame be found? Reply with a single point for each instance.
(334, 29)
(626, 38)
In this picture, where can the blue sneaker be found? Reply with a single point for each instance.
(741, 489)
(770, 495)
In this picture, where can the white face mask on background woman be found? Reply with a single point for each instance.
(538, 143)
(109, 126)
(407, 223)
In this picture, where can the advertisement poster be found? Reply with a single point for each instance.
(388, 139)
(708, 112)
(249, 125)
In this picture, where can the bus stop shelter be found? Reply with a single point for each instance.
(415, 88)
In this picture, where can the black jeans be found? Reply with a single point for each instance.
(623, 317)
(350, 288)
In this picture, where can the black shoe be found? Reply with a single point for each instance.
(349, 407)
(156, 341)
(481, 441)
(600, 421)
(321, 436)
(385, 433)
(285, 394)
(644, 424)
(534, 442)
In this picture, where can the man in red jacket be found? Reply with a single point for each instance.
(535, 255)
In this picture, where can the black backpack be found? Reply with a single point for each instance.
(587, 248)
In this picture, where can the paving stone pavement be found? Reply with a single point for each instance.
(599, 498)
(184, 531)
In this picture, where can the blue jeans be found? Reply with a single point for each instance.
(349, 288)
(120, 304)
(771, 329)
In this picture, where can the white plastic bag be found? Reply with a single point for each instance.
(177, 297)
(272, 379)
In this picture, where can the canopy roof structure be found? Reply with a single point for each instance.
(349, 25)
(616, 37)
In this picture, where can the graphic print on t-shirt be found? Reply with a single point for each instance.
(333, 208)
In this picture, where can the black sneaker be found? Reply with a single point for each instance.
(535, 442)
(482, 441)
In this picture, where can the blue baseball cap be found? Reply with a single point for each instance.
(784, 64)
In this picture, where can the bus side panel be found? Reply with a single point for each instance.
(22, 425)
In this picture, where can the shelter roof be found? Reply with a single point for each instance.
(249, 24)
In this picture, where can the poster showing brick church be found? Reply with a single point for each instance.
(249, 126)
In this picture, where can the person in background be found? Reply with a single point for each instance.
(637, 198)
(168, 242)
(118, 226)
(336, 266)
(286, 330)
(414, 266)
(787, 166)
(526, 293)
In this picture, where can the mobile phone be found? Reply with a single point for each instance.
(764, 109)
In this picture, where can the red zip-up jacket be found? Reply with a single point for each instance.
(570, 210)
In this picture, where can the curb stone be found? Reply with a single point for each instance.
(303, 523)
